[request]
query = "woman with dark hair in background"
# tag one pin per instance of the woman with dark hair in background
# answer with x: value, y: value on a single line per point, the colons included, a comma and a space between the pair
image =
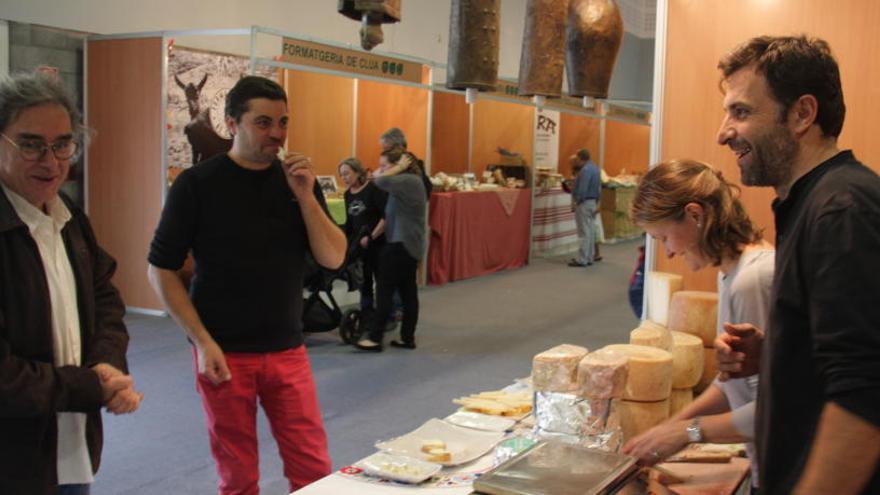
x: 401, y: 177
x: 364, y: 224
x: 694, y: 213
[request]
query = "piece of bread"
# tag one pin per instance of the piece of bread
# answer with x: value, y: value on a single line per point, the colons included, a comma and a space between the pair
x: 439, y: 455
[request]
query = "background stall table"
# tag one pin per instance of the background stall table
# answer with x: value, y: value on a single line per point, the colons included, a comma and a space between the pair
x: 554, y: 231
x: 475, y: 233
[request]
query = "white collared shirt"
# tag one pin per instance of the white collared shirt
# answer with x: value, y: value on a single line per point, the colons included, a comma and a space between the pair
x: 74, y: 464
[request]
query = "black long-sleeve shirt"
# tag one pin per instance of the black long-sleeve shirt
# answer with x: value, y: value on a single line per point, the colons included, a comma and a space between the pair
x: 824, y: 338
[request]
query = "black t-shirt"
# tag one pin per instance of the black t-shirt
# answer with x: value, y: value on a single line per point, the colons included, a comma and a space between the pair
x: 249, y: 241
x: 363, y: 210
x: 823, y: 344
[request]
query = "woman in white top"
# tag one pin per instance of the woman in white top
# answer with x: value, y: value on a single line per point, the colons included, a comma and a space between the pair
x: 689, y: 208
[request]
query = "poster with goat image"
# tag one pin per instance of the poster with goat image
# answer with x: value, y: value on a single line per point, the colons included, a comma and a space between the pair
x: 197, y: 85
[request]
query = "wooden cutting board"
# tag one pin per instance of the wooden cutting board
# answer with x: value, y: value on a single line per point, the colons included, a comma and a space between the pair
x: 708, y: 479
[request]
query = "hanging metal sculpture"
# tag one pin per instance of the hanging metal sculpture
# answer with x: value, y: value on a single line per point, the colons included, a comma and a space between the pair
x: 372, y: 14
x: 473, y: 44
x: 594, y: 33
x: 542, y: 60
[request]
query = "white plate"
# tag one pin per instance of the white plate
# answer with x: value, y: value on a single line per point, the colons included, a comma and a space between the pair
x: 464, y: 444
x: 479, y: 421
x: 398, y: 468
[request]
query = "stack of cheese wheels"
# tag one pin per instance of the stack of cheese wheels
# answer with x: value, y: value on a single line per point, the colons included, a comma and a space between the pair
x: 555, y: 370
x: 696, y: 313
x: 651, y: 334
x: 661, y: 286
x: 687, y: 369
x: 645, y: 400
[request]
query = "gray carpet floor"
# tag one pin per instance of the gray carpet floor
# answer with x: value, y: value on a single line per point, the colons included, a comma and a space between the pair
x: 473, y: 335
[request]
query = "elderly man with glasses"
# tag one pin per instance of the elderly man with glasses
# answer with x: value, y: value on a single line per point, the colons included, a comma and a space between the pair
x: 62, y: 338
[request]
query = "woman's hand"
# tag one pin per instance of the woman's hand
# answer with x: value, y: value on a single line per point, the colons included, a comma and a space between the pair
x: 365, y: 241
x: 658, y: 443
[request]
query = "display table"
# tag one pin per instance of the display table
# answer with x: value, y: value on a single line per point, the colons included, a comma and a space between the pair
x: 554, y: 231
x: 475, y: 233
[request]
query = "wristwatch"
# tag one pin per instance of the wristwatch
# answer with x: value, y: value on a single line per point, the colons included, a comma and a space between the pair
x: 694, y: 432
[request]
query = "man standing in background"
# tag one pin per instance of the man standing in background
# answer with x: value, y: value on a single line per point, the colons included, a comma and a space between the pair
x: 62, y: 338
x: 585, y: 195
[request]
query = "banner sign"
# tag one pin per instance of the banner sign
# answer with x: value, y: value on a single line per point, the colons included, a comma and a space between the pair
x: 301, y: 52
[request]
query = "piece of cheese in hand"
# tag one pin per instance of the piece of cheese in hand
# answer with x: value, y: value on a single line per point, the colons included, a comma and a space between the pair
x: 710, y: 369
x: 555, y: 370
x: 648, y: 372
x: 680, y: 398
x: 431, y: 444
x: 602, y: 375
x: 695, y: 312
x: 652, y: 335
x: 661, y: 286
x: 638, y: 417
x: 687, y: 360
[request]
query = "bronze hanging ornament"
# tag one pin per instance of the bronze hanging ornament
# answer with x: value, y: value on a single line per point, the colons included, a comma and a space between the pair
x: 372, y: 14
x: 594, y: 33
x: 473, y: 44
x: 542, y: 60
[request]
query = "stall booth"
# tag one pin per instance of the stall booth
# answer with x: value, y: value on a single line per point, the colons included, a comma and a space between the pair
x: 341, y: 100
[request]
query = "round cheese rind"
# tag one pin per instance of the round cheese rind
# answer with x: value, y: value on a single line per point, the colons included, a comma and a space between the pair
x: 680, y: 398
x: 638, y: 417
x: 661, y: 286
x: 687, y: 360
x: 696, y: 313
x: 652, y: 335
x: 710, y: 369
x: 649, y: 372
x: 602, y: 375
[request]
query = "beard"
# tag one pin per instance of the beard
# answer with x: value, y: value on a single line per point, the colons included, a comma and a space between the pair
x: 772, y: 159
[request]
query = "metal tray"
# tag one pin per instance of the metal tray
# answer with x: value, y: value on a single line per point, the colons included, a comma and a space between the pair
x: 555, y: 468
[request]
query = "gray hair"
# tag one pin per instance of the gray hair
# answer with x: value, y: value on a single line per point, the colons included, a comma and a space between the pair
x: 22, y: 91
x: 394, y: 137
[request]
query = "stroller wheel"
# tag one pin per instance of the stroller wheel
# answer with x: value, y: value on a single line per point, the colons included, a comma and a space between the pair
x: 350, y: 326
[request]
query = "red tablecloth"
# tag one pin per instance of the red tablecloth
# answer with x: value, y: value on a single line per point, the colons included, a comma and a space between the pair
x: 472, y: 234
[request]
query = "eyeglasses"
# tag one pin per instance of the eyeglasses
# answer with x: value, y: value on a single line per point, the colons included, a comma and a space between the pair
x: 34, y: 150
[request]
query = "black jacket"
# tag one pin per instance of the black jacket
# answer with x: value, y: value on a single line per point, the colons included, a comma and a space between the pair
x: 32, y: 388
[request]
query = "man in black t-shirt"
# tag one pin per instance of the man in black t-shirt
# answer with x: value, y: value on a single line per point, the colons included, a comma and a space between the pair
x: 818, y: 418
x: 249, y: 219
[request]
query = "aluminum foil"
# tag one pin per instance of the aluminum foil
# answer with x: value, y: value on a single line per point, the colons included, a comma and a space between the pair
x: 575, y: 420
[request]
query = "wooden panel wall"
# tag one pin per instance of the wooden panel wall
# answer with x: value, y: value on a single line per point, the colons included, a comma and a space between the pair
x: 576, y: 132
x: 382, y: 106
x: 497, y: 123
x: 124, y: 85
x: 627, y: 146
x: 321, y: 117
x: 699, y: 33
x: 449, y: 135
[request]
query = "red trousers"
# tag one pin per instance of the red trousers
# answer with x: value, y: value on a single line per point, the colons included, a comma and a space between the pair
x: 283, y: 383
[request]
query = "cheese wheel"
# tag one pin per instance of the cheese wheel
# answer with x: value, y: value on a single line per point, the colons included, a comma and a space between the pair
x: 602, y: 375
x: 652, y: 335
x: 710, y: 369
x: 661, y: 286
x: 696, y: 313
x: 679, y: 398
x: 555, y: 370
x: 687, y: 360
x: 638, y: 417
x: 648, y: 372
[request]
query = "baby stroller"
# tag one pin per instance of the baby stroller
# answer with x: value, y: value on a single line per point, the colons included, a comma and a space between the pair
x: 321, y: 313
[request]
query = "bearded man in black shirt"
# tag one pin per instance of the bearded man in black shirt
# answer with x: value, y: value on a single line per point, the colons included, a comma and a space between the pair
x: 818, y: 419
